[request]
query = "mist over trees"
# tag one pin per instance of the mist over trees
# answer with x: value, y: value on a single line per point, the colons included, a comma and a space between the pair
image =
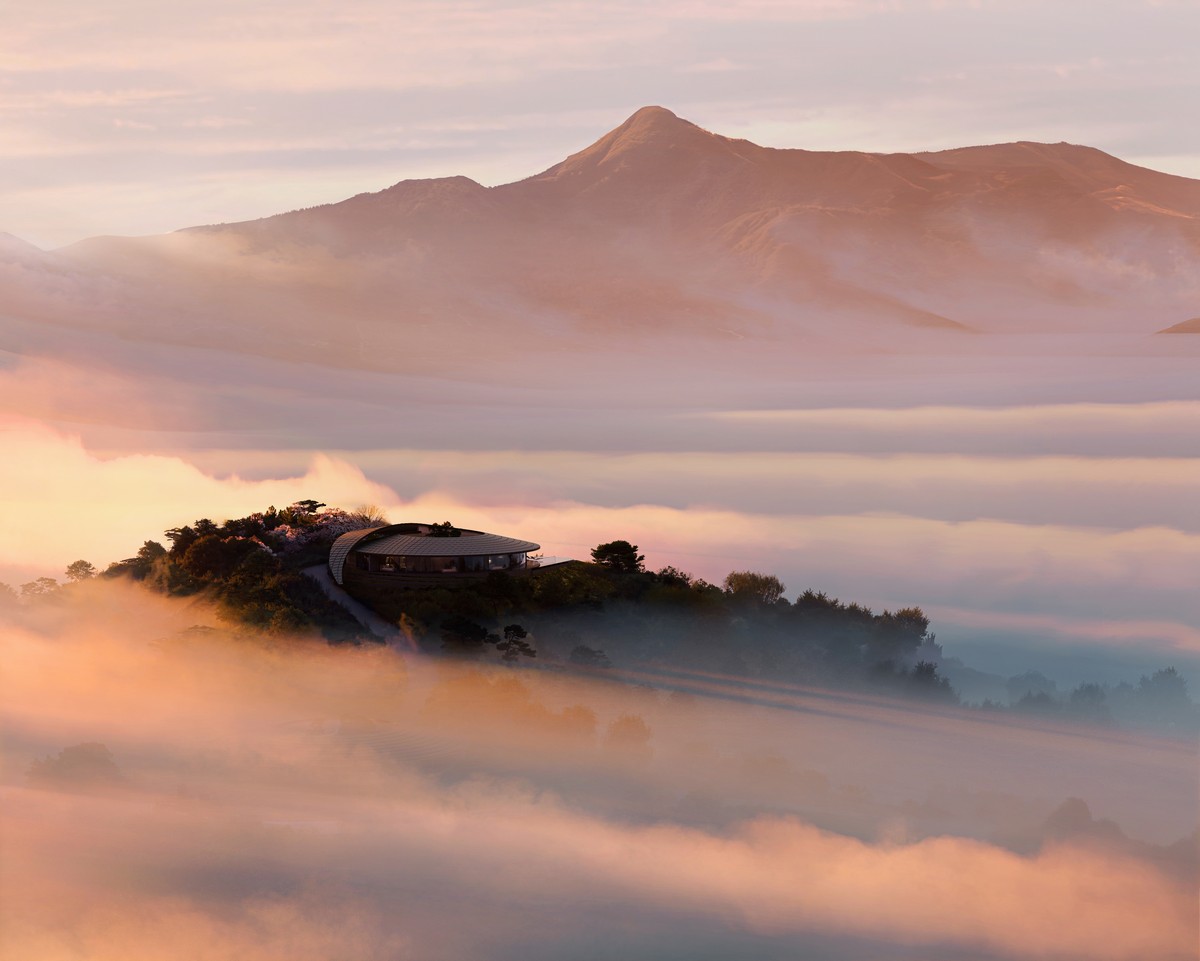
x: 80, y: 765
x: 611, y: 613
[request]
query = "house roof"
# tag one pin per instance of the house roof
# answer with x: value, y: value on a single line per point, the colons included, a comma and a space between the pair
x: 468, y: 544
x: 341, y: 549
x: 377, y: 540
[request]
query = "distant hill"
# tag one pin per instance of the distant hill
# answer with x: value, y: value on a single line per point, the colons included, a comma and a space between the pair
x: 659, y: 229
x: 1186, y: 327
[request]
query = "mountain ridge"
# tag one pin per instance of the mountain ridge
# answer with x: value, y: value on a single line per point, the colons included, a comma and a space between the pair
x: 657, y: 130
x: 661, y: 229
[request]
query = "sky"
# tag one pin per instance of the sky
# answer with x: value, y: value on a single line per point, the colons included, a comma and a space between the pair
x: 132, y: 117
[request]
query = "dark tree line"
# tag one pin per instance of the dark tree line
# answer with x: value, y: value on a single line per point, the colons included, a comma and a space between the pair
x: 251, y: 566
x: 614, y: 611
x: 596, y: 615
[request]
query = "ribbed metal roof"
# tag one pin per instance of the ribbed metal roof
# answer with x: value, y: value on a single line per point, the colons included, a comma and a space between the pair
x: 470, y: 544
x: 341, y: 549
x: 376, y: 540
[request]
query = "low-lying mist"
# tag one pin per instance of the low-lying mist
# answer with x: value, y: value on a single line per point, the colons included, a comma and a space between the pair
x: 1075, y: 566
x: 173, y: 790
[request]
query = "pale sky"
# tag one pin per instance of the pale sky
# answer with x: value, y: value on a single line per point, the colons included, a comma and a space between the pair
x: 135, y: 116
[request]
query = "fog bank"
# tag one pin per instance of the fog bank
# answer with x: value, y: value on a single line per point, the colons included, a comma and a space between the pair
x: 276, y: 799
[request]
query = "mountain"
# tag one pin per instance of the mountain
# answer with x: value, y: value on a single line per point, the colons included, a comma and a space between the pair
x: 660, y: 231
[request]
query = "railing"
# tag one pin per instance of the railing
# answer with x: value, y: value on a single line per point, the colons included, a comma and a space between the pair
x: 541, y: 562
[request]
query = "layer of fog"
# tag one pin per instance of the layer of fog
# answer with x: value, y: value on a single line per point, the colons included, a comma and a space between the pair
x: 252, y: 800
x: 1032, y: 492
x: 1059, y: 538
x: 563, y: 395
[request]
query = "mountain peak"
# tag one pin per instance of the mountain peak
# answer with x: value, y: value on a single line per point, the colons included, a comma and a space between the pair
x: 653, y: 114
x: 653, y: 123
x: 652, y: 137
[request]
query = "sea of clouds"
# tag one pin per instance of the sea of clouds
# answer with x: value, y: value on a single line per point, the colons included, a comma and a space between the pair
x: 260, y: 800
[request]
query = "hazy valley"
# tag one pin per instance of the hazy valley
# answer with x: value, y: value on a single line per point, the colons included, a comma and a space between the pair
x: 964, y: 380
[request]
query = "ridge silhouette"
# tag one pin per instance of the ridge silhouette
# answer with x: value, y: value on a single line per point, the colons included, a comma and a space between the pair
x: 662, y: 228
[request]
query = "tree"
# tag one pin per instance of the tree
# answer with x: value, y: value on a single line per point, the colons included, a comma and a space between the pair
x: 150, y: 551
x: 182, y: 538
x: 515, y: 644
x: 141, y: 564
x: 211, y: 557
x: 462, y: 636
x: 80, y: 571
x: 674, y: 577
x: 1039, y: 703
x: 1031, y: 682
x: 586, y: 656
x: 42, y: 587
x: 925, y: 681
x: 1166, y: 684
x: 1088, y: 703
x: 369, y: 515
x: 79, y: 765
x: 750, y: 585
x: 444, y: 529
x: 628, y: 734
x: 619, y: 556
x: 1162, y: 698
x: 897, y: 636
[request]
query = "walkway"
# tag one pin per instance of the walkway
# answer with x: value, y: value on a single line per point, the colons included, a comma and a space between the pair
x: 391, y: 634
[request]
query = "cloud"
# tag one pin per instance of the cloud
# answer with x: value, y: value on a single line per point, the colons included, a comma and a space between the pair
x: 1065, y: 491
x: 292, y: 799
x: 1118, y: 576
x: 61, y: 500
x: 1164, y: 419
x: 1173, y: 635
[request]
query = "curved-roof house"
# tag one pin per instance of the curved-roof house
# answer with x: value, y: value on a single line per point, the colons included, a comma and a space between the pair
x: 423, y: 555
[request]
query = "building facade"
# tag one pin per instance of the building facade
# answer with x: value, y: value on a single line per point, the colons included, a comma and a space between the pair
x: 400, y: 556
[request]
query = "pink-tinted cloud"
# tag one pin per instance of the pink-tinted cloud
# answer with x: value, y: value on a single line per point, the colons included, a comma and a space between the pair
x: 61, y: 500
x: 299, y: 800
x: 1131, y: 580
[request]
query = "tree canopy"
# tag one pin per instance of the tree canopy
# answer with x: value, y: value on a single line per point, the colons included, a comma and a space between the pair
x: 764, y: 588
x: 80, y: 570
x: 619, y: 556
x: 612, y: 613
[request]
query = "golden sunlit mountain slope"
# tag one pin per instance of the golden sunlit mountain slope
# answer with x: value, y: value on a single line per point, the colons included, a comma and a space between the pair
x: 659, y: 229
